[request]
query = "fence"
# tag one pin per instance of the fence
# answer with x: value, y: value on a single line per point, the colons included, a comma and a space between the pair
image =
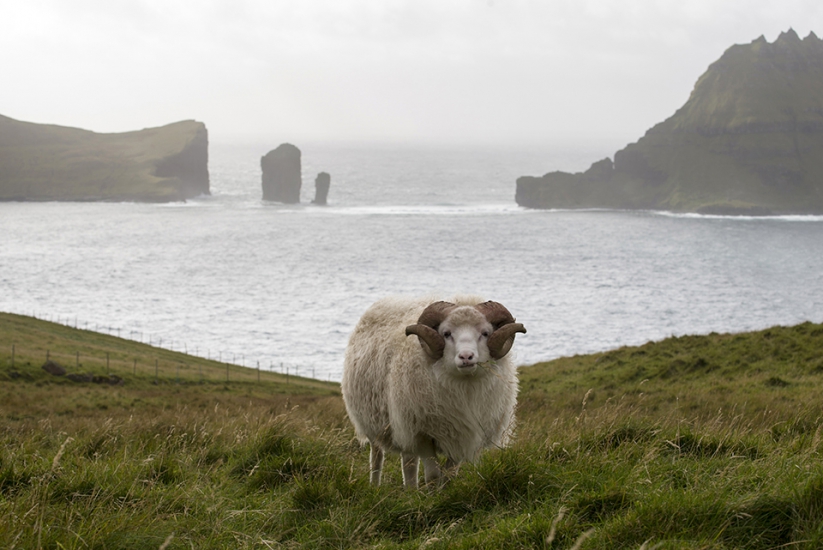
x: 228, y: 359
x: 180, y: 369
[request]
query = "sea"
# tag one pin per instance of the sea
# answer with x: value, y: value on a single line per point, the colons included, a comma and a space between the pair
x: 231, y: 277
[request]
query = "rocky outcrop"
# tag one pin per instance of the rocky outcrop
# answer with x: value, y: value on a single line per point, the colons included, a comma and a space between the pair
x: 43, y: 162
x: 282, y: 174
x: 321, y: 188
x: 110, y: 379
x: 54, y: 368
x: 749, y: 140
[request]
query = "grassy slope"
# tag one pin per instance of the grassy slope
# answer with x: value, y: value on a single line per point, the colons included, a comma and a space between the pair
x: 49, y: 162
x: 693, y: 442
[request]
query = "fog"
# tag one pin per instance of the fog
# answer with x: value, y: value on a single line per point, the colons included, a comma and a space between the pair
x: 434, y: 71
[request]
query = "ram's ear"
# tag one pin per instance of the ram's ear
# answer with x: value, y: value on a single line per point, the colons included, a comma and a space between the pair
x: 430, y: 340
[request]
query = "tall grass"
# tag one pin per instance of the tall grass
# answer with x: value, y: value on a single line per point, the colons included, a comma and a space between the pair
x: 601, y: 459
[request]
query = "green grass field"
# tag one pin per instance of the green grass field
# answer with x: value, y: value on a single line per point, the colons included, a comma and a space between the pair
x: 693, y: 442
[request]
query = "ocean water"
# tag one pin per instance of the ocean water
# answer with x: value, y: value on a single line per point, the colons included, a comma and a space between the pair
x: 230, y: 276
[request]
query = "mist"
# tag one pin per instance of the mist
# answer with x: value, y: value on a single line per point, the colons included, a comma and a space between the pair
x: 490, y: 71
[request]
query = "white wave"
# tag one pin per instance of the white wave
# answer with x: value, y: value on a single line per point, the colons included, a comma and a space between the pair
x: 420, y: 210
x: 784, y: 217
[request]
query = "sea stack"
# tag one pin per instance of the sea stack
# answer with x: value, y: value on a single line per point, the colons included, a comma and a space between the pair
x: 321, y: 188
x: 749, y: 141
x: 46, y: 162
x: 282, y: 174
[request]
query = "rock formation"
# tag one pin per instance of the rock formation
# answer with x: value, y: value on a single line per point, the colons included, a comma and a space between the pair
x: 749, y: 140
x: 44, y: 162
x: 54, y: 368
x: 321, y: 188
x: 282, y: 176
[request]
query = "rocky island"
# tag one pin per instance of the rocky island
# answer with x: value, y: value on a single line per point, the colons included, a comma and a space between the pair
x: 45, y: 162
x: 749, y: 141
x: 282, y: 174
x: 321, y: 188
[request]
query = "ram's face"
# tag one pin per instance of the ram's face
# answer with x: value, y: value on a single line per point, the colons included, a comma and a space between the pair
x: 460, y: 338
x: 466, y: 333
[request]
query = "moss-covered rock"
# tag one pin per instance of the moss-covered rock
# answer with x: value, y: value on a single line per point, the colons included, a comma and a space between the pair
x: 44, y: 162
x: 749, y: 140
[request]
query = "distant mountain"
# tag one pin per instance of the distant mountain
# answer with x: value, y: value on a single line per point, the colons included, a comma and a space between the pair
x: 44, y: 162
x: 749, y: 140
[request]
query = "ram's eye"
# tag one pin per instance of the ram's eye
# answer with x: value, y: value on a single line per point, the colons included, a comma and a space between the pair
x: 485, y: 334
x: 447, y: 334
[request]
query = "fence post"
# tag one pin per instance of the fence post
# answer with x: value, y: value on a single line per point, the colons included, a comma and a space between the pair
x: 287, y: 375
x: 155, y: 370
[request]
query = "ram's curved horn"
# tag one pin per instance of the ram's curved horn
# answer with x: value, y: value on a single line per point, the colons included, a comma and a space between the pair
x: 431, y: 341
x: 501, y: 340
x: 495, y: 313
x: 426, y: 328
x: 435, y: 313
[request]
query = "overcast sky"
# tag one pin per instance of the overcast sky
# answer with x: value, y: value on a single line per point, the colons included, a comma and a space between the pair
x: 456, y: 71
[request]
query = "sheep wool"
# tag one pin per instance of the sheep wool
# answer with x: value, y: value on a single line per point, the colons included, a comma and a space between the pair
x: 451, y: 390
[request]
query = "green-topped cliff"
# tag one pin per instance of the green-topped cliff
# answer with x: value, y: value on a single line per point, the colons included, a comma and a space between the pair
x: 749, y: 140
x: 40, y: 162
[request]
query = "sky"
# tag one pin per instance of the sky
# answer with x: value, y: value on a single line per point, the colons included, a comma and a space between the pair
x: 490, y: 72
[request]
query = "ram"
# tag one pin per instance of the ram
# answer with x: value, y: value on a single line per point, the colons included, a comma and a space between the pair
x: 425, y: 378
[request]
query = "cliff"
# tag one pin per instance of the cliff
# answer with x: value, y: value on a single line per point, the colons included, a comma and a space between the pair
x: 749, y: 140
x: 43, y: 162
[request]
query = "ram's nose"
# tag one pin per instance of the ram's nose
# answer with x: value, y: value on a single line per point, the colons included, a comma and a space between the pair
x: 467, y: 358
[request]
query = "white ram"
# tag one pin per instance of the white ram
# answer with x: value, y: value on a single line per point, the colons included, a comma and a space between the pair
x: 451, y: 390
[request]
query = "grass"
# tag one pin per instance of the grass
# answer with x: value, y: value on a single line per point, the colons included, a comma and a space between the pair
x: 694, y: 442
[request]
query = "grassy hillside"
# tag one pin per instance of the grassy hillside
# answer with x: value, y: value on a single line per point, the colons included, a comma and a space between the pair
x: 692, y: 442
x: 49, y: 162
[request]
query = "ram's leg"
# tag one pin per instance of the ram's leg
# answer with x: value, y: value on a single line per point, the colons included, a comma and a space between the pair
x: 433, y: 474
x: 410, y: 462
x: 376, y: 463
x: 428, y: 452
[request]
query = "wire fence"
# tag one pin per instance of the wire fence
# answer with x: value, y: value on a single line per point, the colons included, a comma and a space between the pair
x: 182, y: 364
x: 109, y: 367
